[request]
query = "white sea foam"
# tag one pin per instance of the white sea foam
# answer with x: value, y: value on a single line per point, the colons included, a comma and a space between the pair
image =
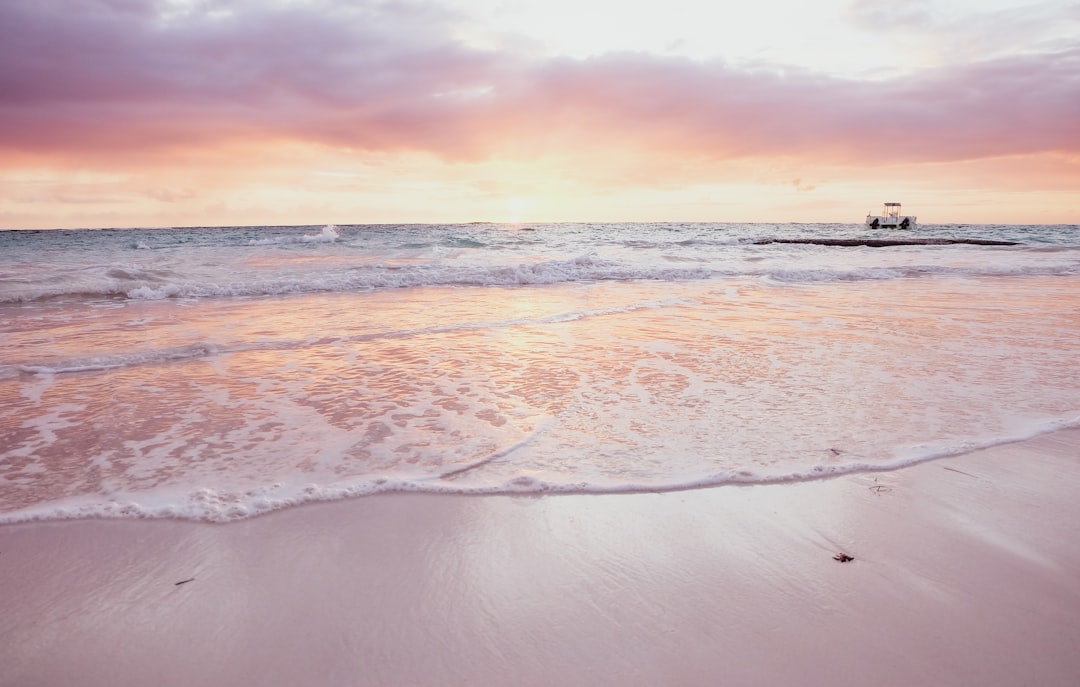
x: 213, y: 505
x: 329, y: 234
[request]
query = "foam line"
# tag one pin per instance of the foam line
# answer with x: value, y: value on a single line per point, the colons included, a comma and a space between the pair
x: 112, y: 362
x: 207, y: 505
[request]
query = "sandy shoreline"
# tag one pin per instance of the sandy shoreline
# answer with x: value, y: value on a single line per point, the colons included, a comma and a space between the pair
x: 966, y: 572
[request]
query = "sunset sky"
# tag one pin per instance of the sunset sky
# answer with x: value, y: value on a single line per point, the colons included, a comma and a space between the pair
x: 119, y: 113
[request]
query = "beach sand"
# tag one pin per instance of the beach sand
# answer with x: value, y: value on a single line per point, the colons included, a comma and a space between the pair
x: 966, y: 571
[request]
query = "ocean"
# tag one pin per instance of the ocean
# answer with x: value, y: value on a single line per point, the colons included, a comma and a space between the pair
x: 217, y: 373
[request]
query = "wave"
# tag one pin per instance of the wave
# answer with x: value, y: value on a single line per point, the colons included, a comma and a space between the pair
x: 210, y: 505
x: 329, y: 234
x: 366, y: 274
x: 357, y: 278
x: 111, y: 362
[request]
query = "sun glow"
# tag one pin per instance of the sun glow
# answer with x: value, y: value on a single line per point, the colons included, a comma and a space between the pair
x: 519, y: 209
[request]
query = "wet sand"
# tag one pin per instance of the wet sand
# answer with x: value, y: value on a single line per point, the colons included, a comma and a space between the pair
x: 965, y: 571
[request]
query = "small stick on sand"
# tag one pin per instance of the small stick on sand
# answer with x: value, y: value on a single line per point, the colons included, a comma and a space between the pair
x: 960, y: 471
x: 190, y: 579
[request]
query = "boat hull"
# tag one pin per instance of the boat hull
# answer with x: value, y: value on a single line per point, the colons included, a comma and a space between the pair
x: 903, y: 222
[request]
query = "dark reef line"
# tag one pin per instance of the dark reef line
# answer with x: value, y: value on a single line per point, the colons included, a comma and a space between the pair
x: 881, y: 243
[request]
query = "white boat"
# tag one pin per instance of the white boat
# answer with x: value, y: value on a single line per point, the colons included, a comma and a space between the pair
x: 890, y: 219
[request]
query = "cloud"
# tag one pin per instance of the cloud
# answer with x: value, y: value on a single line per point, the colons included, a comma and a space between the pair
x: 97, y: 79
x: 940, y: 35
x: 170, y: 195
x: 883, y: 15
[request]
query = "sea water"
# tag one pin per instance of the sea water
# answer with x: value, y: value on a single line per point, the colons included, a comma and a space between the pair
x: 221, y: 372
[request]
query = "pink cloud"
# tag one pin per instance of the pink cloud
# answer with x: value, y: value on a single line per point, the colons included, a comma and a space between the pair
x: 111, y: 77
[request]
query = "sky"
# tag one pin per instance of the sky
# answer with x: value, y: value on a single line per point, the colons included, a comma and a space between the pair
x: 123, y: 113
